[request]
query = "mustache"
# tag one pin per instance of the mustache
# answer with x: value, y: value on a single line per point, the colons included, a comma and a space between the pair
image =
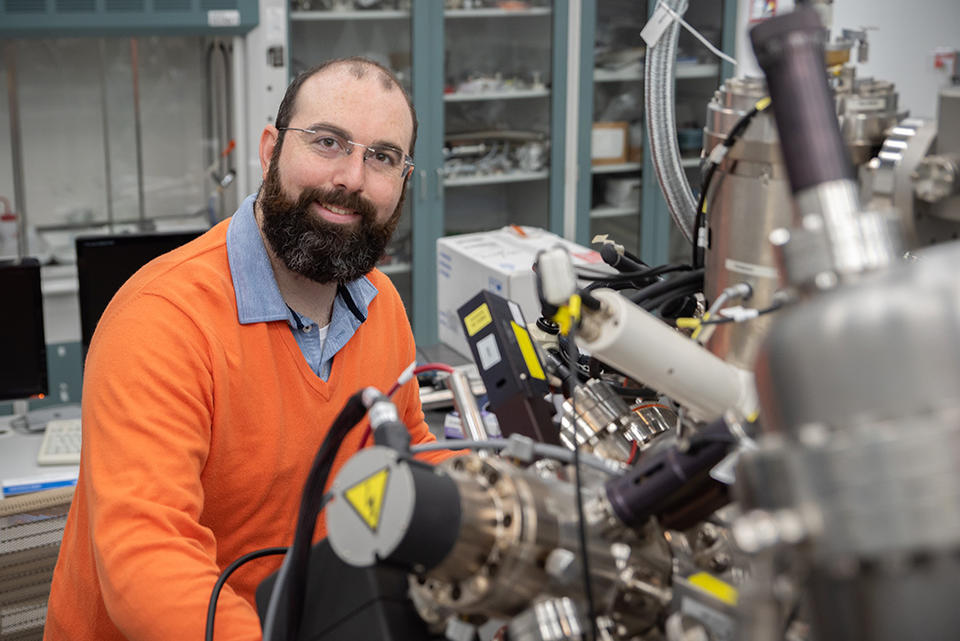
x: 338, y: 198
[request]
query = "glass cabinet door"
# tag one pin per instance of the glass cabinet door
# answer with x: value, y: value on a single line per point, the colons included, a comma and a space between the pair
x: 497, y: 104
x: 375, y: 29
x: 618, y: 129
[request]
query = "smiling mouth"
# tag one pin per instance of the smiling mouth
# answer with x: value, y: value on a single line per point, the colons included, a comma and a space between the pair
x: 336, y: 214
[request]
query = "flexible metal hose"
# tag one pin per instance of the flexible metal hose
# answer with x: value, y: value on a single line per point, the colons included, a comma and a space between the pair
x: 662, y: 125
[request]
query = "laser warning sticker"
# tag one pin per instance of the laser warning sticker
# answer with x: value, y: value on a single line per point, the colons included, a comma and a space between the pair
x: 366, y: 497
x: 477, y: 319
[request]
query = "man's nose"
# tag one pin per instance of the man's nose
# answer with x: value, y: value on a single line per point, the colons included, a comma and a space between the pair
x: 349, y: 173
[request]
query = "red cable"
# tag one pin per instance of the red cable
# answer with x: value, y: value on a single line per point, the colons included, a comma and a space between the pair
x: 420, y: 369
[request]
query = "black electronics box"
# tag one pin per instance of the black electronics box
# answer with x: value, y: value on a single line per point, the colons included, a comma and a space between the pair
x: 346, y: 603
x: 509, y: 366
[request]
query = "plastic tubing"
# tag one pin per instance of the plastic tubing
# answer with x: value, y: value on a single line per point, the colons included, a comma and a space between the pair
x: 662, y: 125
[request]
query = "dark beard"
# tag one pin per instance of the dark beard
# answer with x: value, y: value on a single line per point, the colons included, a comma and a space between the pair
x: 322, y: 251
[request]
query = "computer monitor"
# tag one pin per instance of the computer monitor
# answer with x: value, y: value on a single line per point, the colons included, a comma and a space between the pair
x: 105, y: 262
x: 23, y: 349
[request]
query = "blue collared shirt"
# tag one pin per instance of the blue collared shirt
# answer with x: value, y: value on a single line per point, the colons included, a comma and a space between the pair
x: 259, y: 299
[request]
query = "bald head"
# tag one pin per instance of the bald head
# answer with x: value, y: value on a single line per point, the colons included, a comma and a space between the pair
x: 358, y: 68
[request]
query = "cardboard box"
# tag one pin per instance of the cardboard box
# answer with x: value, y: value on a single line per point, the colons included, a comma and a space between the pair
x: 500, y: 261
x: 608, y: 143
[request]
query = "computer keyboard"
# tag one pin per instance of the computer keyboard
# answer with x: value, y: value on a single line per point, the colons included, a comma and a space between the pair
x: 61, y: 443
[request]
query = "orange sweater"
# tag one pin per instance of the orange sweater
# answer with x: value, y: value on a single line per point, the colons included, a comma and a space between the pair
x: 198, y: 436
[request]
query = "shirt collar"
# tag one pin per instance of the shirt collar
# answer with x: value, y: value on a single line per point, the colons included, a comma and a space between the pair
x: 258, y: 296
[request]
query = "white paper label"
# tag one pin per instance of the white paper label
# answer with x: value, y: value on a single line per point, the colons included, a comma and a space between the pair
x: 223, y: 18
x: 750, y: 269
x: 517, y: 314
x: 866, y: 104
x: 658, y: 23
x: 488, y: 351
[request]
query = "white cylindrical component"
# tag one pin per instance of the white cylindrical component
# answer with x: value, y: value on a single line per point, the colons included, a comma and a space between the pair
x: 643, y: 347
x: 558, y: 282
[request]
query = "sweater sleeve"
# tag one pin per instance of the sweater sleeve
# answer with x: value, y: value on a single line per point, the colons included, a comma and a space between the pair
x: 147, y: 406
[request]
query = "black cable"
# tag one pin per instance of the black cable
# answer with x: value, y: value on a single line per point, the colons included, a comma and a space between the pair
x: 726, y: 319
x: 311, y: 501
x: 632, y: 256
x: 637, y: 279
x: 731, y: 138
x: 673, y: 284
x: 656, y: 304
x: 221, y: 581
x: 581, y: 527
x: 698, y: 251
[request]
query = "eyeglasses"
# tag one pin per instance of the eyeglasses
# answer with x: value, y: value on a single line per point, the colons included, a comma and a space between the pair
x: 388, y: 161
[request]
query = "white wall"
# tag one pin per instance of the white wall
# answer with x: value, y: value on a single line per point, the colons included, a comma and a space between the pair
x: 902, y: 46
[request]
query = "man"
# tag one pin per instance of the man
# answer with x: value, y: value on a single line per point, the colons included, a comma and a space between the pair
x: 218, y: 368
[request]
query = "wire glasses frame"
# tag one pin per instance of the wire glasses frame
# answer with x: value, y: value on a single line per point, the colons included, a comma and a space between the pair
x: 384, y: 160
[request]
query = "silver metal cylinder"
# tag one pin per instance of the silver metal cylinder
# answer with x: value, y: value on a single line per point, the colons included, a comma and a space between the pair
x: 598, y: 419
x: 466, y: 405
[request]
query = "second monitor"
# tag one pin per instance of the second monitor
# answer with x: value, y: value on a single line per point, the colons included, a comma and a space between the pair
x: 105, y: 262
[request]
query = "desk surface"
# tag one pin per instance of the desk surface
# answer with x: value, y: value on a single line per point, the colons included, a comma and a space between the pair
x: 18, y: 454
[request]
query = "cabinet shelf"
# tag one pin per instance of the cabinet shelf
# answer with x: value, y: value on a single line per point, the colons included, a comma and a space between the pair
x: 617, y: 168
x: 684, y: 70
x: 513, y: 177
x: 610, y: 211
x: 307, y: 16
x: 623, y: 167
x: 509, y: 94
x: 496, y: 13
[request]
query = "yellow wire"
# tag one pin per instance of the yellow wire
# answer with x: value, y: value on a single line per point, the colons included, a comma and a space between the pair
x: 696, y: 332
x: 568, y: 314
x: 763, y: 103
x: 688, y: 323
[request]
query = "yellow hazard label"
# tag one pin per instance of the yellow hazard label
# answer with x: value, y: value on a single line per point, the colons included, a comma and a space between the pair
x: 477, y: 319
x: 717, y: 588
x: 366, y: 497
x: 529, y: 353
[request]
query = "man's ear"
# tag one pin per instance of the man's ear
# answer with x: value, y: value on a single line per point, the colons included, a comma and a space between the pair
x: 268, y: 140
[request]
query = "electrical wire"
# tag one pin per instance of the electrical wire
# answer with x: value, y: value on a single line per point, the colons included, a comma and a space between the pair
x: 752, y: 313
x: 666, y: 297
x: 714, y: 160
x: 311, y: 501
x: 222, y: 580
x: 405, y: 377
x: 650, y: 291
x: 581, y: 525
x: 543, y: 450
x: 642, y: 274
x: 743, y: 315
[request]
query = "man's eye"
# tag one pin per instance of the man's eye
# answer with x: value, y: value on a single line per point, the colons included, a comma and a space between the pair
x: 389, y: 158
x: 328, y: 143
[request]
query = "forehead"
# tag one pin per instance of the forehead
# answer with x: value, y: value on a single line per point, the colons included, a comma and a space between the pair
x: 363, y: 107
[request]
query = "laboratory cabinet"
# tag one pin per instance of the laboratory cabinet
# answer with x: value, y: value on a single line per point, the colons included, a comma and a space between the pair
x: 488, y: 83
x: 619, y: 174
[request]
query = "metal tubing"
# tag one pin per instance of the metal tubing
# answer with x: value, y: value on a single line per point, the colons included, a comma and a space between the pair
x: 137, y: 130
x: 466, y: 405
x: 662, y: 125
x: 16, y: 150
x: 105, y: 119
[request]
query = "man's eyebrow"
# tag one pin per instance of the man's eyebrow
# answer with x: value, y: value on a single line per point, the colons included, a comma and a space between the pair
x: 326, y: 126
